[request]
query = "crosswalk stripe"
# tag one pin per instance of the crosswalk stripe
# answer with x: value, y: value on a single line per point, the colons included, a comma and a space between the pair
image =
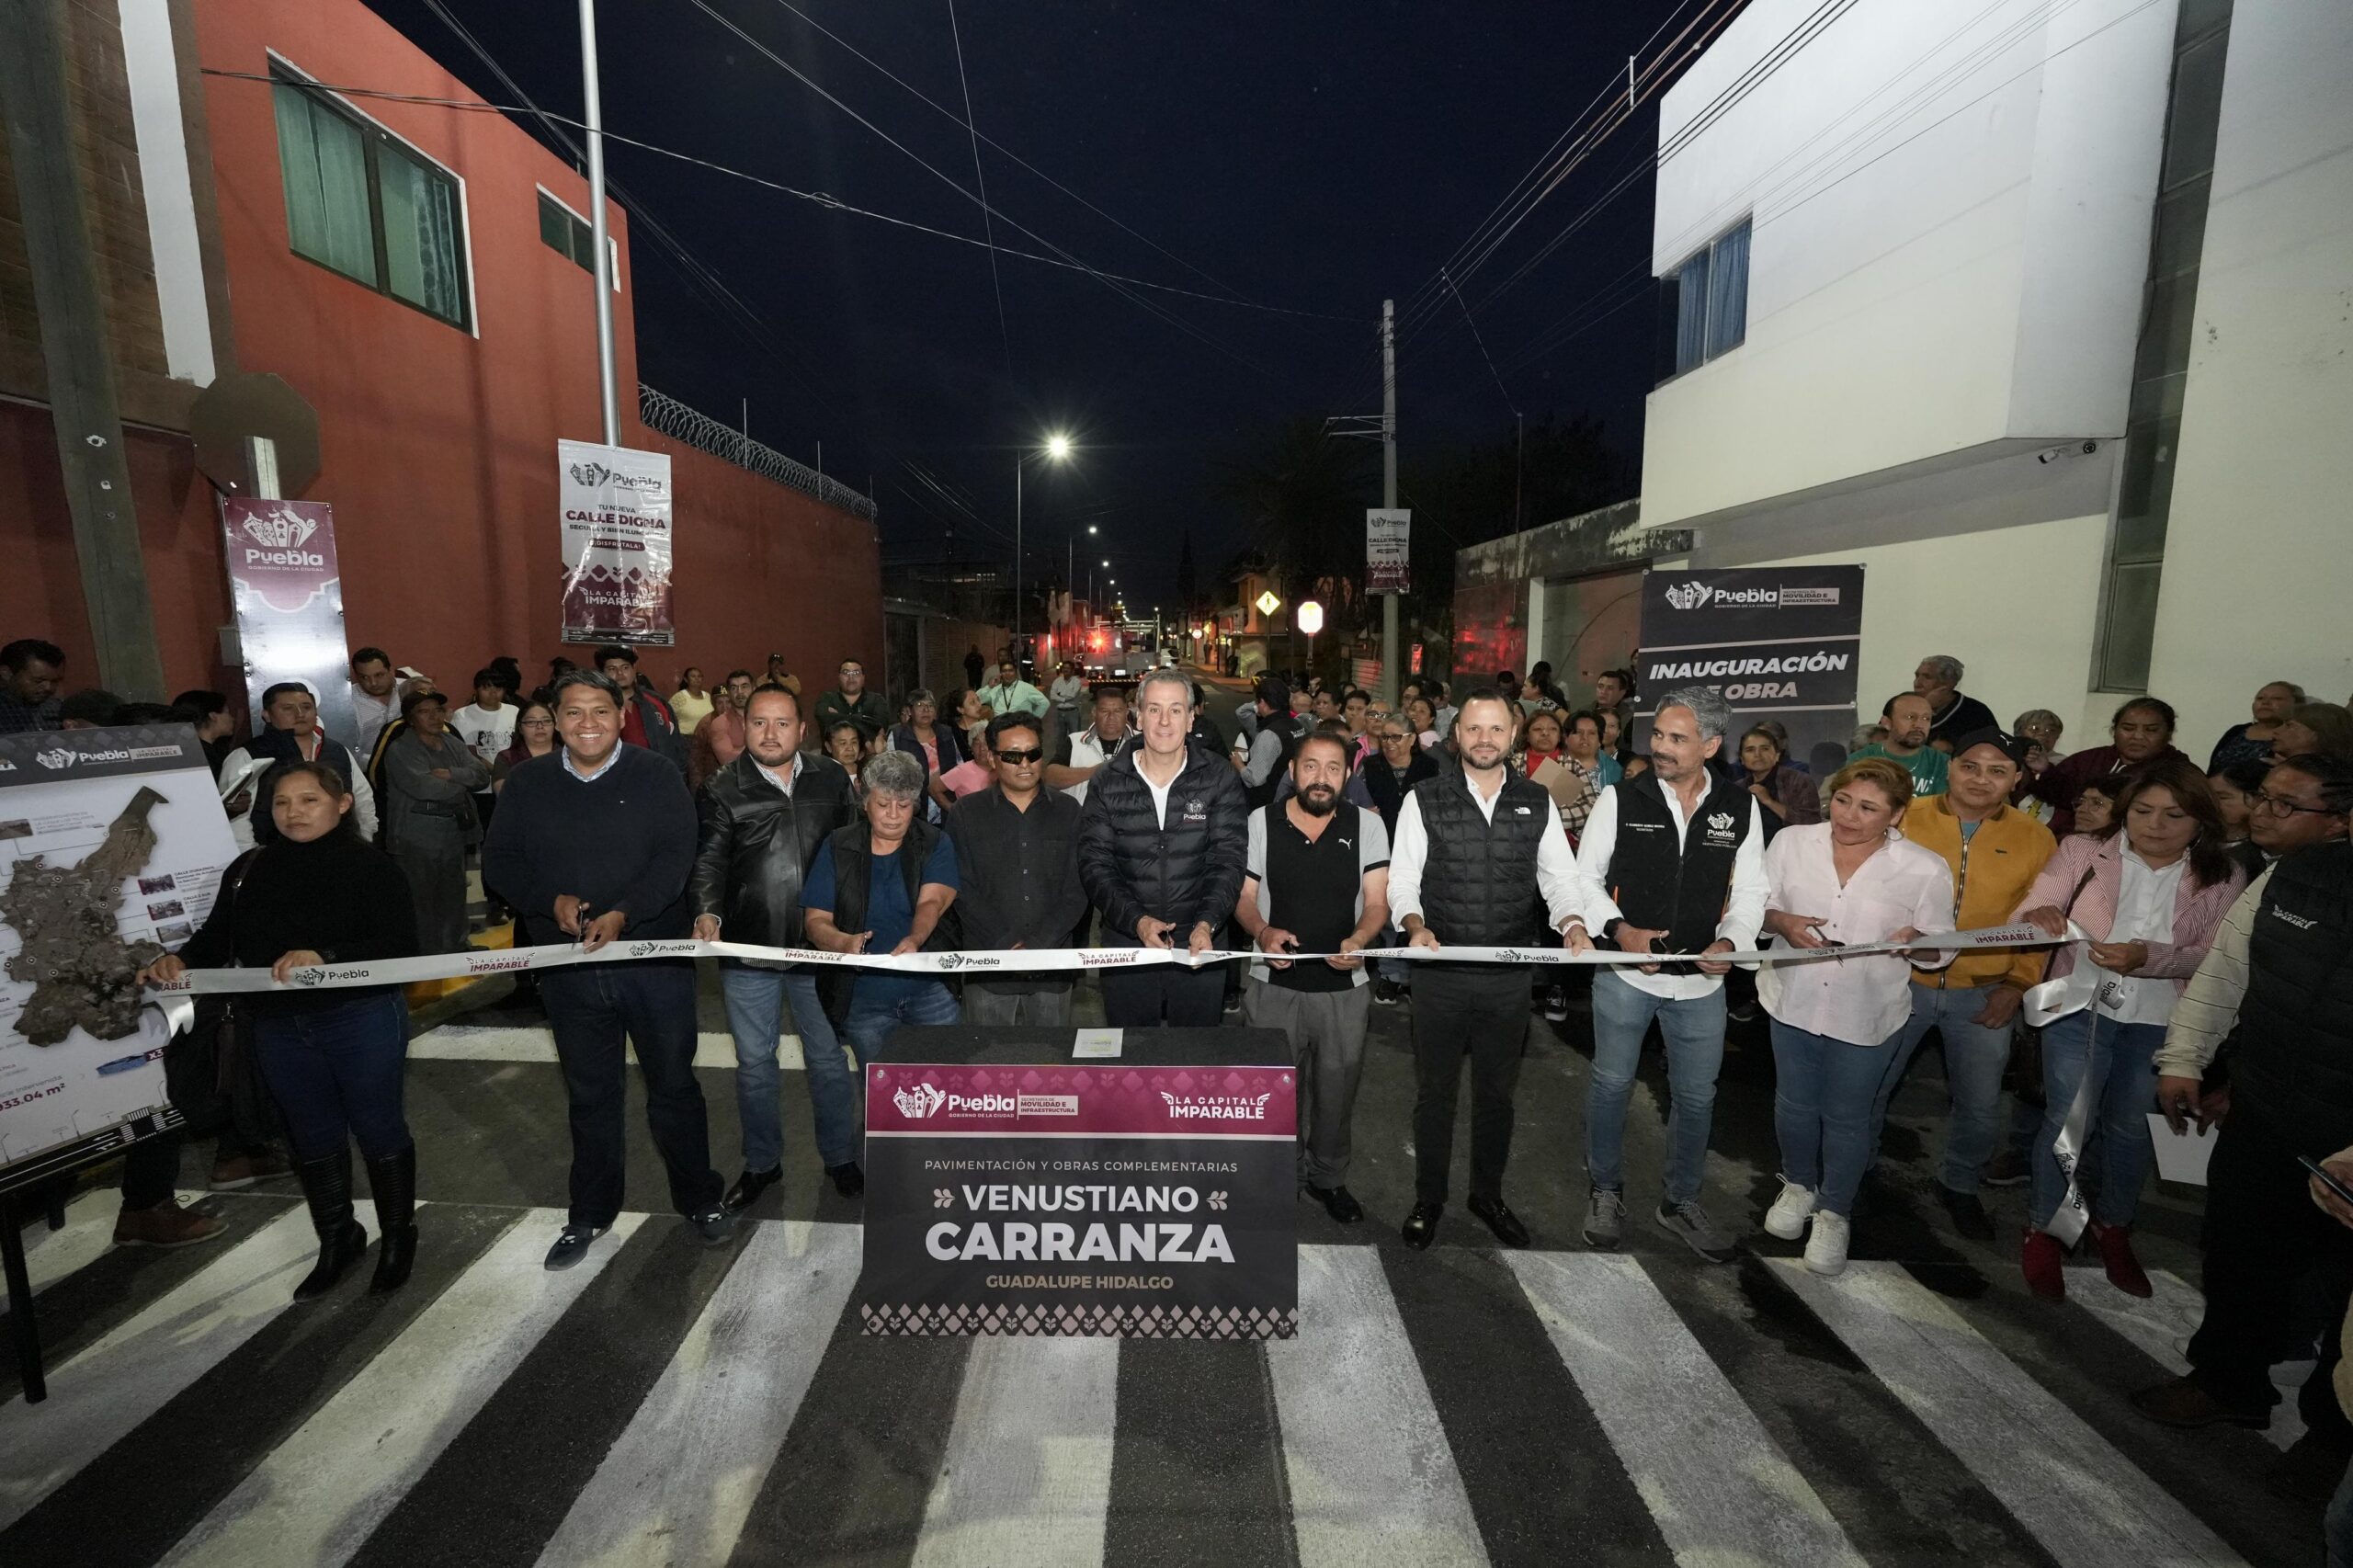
x: 1371, y: 1477
x: 2084, y: 1503
x: 2161, y: 1324
x: 471, y: 1042
x: 312, y: 1502
x: 1717, y: 1484
x: 676, y: 1485
x: 107, y: 1391
x: 1027, y: 1473
x: 50, y: 1256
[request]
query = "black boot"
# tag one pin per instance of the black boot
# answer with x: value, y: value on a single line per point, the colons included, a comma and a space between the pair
x: 393, y: 1181
x: 328, y: 1185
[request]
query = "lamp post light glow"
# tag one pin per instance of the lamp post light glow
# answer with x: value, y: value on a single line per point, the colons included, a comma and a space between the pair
x: 1309, y: 618
x: 1057, y: 449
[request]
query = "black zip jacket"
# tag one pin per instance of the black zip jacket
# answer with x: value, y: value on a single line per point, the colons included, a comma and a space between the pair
x: 1186, y: 871
x: 757, y: 844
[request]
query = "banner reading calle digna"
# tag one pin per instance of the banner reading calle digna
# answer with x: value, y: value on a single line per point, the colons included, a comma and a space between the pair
x: 1081, y: 1200
x: 616, y: 544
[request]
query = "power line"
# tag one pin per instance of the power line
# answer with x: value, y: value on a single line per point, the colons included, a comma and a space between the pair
x: 1016, y: 158
x: 988, y: 224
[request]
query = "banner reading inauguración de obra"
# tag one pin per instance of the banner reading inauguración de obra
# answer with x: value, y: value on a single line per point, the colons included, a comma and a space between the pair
x: 288, y: 594
x: 616, y: 544
x: 1149, y: 1202
x: 1780, y: 641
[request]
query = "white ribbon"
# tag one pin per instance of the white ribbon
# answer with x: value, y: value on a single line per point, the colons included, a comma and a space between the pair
x: 2085, y: 986
x: 1003, y: 962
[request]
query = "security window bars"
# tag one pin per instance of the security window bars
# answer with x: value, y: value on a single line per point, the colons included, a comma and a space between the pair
x: 360, y: 202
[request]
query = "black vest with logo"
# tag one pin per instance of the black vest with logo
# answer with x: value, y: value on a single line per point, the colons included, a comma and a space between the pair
x: 1479, y: 879
x: 1680, y: 888
x: 2295, y: 1030
x: 1258, y: 796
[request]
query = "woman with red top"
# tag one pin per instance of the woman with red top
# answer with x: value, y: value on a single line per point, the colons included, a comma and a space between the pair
x: 2150, y: 891
x: 2141, y: 731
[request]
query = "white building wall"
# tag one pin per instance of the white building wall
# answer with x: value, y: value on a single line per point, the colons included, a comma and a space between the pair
x: 1911, y: 173
x: 2259, y: 570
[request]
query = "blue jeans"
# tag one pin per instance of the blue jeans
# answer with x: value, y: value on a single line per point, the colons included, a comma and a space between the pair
x: 1694, y: 1030
x: 875, y: 1011
x: 335, y: 1075
x: 1975, y: 1057
x: 756, y: 999
x: 1824, y: 1091
x: 2121, y: 1062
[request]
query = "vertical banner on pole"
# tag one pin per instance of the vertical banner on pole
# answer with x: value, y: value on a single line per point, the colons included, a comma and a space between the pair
x: 1388, y: 554
x: 616, y: 544
x: 287, y: 594
x: 1780, y: 641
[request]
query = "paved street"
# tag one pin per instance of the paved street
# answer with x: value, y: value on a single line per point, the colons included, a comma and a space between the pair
x: 666, y: 1404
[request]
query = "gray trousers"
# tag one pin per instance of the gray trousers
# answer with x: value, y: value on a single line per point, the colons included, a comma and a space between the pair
x: 1046, y: 1008
x: 436, y: 884
x: 1326, y: 1030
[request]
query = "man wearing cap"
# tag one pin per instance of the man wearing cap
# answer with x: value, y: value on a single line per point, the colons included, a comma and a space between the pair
x: 1996, y: 851
x: 1268, y: 752
x: 646, y: 720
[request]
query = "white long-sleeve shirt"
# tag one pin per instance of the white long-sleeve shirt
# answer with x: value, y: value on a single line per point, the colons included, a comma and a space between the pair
x: 1863, y: 999
x: 1744, y: 907
x: 1409, y: 852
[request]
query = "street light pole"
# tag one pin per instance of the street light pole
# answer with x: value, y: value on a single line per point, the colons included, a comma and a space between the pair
x: 608, y: 396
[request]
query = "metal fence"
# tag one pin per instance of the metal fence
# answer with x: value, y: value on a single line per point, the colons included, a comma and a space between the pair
x: 662, y: 412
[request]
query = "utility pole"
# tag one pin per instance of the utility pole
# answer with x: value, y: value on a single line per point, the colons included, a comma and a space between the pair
x: 76, y: 348
x: 1388, y: 672
x: 607, y: 395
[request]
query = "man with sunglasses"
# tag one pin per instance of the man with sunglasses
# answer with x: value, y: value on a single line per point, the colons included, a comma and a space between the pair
x: 1016, y: 855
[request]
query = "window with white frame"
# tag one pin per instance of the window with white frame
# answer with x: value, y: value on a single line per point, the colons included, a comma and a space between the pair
x: 1706, y: 299
x: 364, y: 204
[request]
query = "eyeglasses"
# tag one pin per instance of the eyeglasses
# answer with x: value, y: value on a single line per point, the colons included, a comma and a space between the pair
x: 2264, y: 801
x: 1020, y: 758
x: 1387, y: 735
x: 538, y: 723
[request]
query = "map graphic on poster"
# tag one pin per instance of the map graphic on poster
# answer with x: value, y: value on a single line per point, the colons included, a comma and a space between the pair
x: 616, y: 544
x: 1149, y: 1202
x: 112, y: 843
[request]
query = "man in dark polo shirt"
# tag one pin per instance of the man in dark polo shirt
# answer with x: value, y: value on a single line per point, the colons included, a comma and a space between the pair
x: 1016, y: 855
x: 1316, y: 880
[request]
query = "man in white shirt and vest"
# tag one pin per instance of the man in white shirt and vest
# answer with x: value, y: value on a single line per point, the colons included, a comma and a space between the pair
x: 1672, y: 861
x: 1475, y: 848
x: 1079, y: 757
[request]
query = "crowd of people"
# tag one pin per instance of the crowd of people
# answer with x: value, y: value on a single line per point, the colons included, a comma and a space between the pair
x: 2200, y: 924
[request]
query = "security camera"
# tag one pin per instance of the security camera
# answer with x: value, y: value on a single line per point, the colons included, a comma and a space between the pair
x: 2052, y: 454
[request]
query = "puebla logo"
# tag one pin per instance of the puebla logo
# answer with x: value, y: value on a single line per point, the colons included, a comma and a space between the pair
x: 281, y: 530
x: 918, y: 1100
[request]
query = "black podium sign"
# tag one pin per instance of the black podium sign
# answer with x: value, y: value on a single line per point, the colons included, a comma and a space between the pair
x: 1036, y: 1198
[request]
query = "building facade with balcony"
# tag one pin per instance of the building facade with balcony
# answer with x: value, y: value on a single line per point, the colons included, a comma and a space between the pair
x: 2038, y: 313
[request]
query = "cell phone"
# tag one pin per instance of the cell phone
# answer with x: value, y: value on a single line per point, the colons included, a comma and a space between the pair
x: 2344, y: 1193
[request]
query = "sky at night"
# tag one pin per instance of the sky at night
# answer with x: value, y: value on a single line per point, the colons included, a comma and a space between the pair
x: 1316, y: 157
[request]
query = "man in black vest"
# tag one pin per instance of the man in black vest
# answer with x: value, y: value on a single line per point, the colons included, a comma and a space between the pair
x: 1672, y: 861
x: 1475, y: 846
x: 766, y: 817
x: 1160, y: 853
x: 2279, y: 978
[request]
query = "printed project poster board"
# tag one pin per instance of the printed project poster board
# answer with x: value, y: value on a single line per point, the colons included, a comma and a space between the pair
x: 112, y: 843
x: 1778, y: 641
x: 288, y: 597
x: 616, y: 544
x: 1146, y: 1202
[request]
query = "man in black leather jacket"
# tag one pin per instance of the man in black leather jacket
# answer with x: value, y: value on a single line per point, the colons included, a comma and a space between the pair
x: 765, y: 816
x: 1161, y: 847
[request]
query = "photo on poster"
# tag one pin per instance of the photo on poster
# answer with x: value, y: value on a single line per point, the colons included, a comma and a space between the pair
x: 105, y: 812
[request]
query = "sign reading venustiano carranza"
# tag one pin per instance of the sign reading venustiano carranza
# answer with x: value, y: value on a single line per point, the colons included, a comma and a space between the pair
x: 1154, y: 1202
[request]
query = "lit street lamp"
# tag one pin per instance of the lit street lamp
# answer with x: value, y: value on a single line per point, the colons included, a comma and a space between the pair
x: 1058, y: 449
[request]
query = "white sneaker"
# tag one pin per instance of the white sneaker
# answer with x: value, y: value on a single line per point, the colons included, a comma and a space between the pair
x: 1787, y: 1218
x: 1825, y: 1250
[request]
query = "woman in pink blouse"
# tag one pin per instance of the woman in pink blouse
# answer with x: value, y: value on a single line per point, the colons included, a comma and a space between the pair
x: 1843, y: 883
x: 2149, y: 890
